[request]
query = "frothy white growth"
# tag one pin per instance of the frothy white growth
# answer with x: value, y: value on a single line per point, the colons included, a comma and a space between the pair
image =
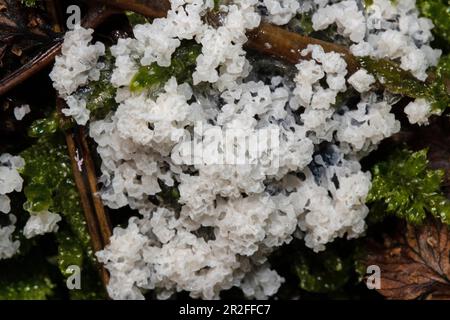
x: 347, y: 16
x: 126, y: 55
x: 168, y: 116
x: 229, y: 217
x: 78, y: 62
x: 76, y: 66
x: 419, y: 111
x: 388, y: 30
x: 10, y: 181
x: 224, y: 47
x: 326, y: 217
x: 162, y: 252
x: 41, y: 223
x: 397, y: 32
x: 364, y: 128
x: 77, y: 109
x: 261, y: 283
x: 308, y: 91
x: 361, y: 49
x: 135, y: 138
x: 8, y: 246
x: 385, y: 30
x: 413, y: 61
x: 222, y: 60
x: 361, y: 80
x: 5, y: 204
x: 391, y: 44
x: 21, y: 112
x: 127, y: 245
x: 158, y: 40
x: 281, y: 11
x: 123, y: 161
x: 317, y: 100
x: 135, y: 144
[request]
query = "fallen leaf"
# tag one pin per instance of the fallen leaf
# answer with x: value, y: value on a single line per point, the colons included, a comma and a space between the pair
x: 415, y: 262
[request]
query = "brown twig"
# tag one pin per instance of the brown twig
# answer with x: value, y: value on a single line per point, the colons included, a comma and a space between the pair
x: 82, y: 178
x: 31, y: 68
x: 95, y: 16
x: 287, y: 46
x: 148, y: 8
x: 267, y: 38
x: 103, y: 220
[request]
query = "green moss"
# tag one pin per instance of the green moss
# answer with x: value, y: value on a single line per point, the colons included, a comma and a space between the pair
x: 323, y: 272
x: 399, y: 81
x: 404, y: 186
x: 101, y: 95
x: 44, y: 127
x: 25, y: 278
x: 70, y: 252
x: 306, y: 23
x: 395, y: 79
x: 302, y: 24
x: 154, y: 76
x: 368, y: 3
x: 49, y: 184
x: 443, y: 68
x: 91, y: 287
x: 439, y: 12
x: 217, y: 5
x: 29, y: 3
x: 135, y: 19
x: 169, y: 196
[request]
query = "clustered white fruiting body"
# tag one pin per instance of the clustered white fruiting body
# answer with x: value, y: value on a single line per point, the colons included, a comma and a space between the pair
x: 234, y: 215
x: 38, y: 223
x: 10, y: 181
x: 75, y: 67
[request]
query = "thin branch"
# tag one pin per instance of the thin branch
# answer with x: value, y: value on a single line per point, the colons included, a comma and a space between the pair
x: 285, y: 45
x: 103, y: 220
x: 84, y: 190
x: 30, y: 69
x: 148, y: 8
x: 95, y: 16
x: 267, y: 39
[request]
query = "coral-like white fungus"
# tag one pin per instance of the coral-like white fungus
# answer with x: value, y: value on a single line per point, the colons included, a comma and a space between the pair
x: 397, y: 32
x: 281, y: 11
x: 419, y: 111
x: 232, y: 216
x: 348, y: 17
x: 41, y: 223
x: 76, y: 66
x: 8, y: 246
x: 361, y: 80
x: 361, y: 130
x: 21, y: 112
x: 78, y: 62
x: 77, y: 110
x: 10, y: 181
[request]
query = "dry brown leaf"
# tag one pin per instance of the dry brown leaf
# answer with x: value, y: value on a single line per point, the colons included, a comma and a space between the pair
x: 415, y: 263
